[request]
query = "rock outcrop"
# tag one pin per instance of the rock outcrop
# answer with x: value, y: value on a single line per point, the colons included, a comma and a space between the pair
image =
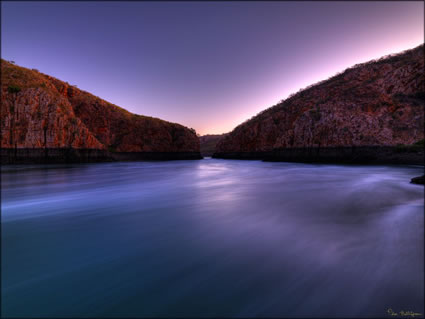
x: 39, y: 113
x: 375, y: 104
x: 418, y: 180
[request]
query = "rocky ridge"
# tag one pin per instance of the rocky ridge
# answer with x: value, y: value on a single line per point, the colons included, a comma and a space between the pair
x: 378, y: 103
x: 40, y: 112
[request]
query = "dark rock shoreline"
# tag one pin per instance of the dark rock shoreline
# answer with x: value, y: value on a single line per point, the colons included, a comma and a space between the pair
x: 418, y: 180
x: 73, y: 155
x: 339, y: 155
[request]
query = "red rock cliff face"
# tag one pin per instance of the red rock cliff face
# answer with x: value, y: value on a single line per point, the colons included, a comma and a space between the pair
x: 39, y: 111
x: 376, y: 103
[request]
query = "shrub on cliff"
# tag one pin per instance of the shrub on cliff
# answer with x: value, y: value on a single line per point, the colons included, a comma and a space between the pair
x: 420, y: 143
x: 13, y: 89
x: 415, y: 147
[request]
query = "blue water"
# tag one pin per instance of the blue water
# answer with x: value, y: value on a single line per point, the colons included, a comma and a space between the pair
x: 211, y: 238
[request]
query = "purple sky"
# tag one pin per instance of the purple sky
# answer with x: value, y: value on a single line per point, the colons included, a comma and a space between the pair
x: 207, y: 65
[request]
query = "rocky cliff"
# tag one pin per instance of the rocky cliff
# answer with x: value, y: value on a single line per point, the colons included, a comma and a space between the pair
x: 39, y: 112
x: 208, y: 143
x: 374, y: 104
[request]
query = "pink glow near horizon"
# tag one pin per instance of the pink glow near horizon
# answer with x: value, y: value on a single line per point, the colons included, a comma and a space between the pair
x: 209, y: 66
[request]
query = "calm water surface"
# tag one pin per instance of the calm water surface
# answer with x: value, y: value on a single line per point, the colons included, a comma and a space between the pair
x: 211, y: 238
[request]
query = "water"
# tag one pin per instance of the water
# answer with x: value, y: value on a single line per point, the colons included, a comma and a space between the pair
x: 211, y: 238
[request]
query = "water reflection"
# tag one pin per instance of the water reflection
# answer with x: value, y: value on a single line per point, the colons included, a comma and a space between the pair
x: 211, y: 238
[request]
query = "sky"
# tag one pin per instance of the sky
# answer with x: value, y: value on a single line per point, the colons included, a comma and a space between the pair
x: 206, y: 65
